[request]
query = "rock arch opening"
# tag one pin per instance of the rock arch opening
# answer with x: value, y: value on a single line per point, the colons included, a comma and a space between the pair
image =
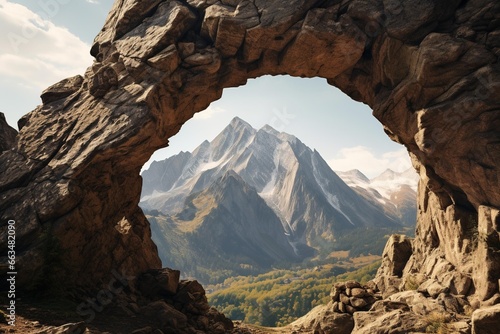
x: 431, y: 79
x: 279, y: 155
x: 202, y: 232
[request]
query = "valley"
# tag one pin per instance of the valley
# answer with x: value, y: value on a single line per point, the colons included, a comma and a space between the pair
x: 280, y: 296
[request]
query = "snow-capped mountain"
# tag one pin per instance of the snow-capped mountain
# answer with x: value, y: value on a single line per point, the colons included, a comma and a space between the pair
x: 312, y: 204
x: 396, y: 192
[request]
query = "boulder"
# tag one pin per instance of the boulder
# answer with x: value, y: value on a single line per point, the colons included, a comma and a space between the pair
x: 71, y: 328
x: 396, y: 254
x: 351, y: 296
x: 323, y: 320
x: 486, y: 320
x: 159, y: 282
x: 387, y: 317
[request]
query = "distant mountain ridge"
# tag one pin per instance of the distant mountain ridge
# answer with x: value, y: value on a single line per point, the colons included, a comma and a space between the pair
x: 395, y: 191
x: 297, y: 202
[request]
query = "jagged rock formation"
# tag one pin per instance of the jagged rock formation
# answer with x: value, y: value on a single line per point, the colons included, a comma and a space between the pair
x: 177, y: 306
x: 7, y: 134
x: 428, y: 69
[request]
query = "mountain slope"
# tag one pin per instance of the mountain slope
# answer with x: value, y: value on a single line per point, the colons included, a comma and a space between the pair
x: 395, y: 192
x: 226, y: 227
x: 294, y: 180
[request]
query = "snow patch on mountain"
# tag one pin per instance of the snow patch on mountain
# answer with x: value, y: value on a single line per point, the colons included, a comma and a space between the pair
x: 385, y: 184
x: 331, y: 198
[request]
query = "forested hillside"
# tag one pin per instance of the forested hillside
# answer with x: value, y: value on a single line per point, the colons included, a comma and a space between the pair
x: 281, y: 296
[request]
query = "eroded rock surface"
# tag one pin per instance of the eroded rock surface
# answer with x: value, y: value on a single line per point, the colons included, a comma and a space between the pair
x: 7, y: 134
x: 428, y: 69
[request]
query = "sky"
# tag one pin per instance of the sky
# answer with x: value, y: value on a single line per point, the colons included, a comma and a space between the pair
x: 44, y: 41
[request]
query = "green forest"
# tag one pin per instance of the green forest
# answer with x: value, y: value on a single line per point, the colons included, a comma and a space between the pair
x: 281, y: 296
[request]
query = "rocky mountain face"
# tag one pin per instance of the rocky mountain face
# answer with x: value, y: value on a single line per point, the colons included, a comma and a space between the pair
x: 260, y: 187
x: 396, y: 192
x: 224, y: 230
x: 428, y: 69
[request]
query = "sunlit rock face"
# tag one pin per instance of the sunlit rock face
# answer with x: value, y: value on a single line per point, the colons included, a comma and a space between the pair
x: 428, y: 69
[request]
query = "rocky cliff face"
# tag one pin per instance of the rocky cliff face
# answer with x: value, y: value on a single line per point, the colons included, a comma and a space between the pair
x: 7, y: 134
x: 428, y: 69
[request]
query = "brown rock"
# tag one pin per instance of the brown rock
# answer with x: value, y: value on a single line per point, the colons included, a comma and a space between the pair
x: 388, y: 285
x: 458, y: 282
x: 418, y: 303
x: 7, y: 134
x: 322, y: 320
x: 451, y: 304
x: 432, y: 288
x: 461, y: 327
x: 358, y: 303
x: 103, y: 81
x: 79, y: 327
x: 359, y: 292
x: 352, y: 285
x: 335, y: 293
x: 488, y: 237
x: 62, y: 89
x: 349, y: 309
x: 191, y: 296
x: 156, y: 283
x: 387, y: 317
x: 144, y: 330
x: 397, y: 252
x: 342, y: 308
x: 344, y: 299
x: 429, y: 71
x: 485, y: 321
x: 168, y: 317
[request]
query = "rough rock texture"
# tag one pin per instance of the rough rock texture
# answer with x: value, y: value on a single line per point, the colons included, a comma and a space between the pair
x: 322, y: 320
x: 65, y: 329
x: 486, y: 321
x: 358, y: 309
x: 428, y: 69
x: 395, y: 256
x: 7, y: 134
x: 387, y: 317
x: 174, y: 306
x: 349, y: 297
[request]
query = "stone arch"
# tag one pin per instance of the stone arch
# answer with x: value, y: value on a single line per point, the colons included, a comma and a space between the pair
x: 428, y: 69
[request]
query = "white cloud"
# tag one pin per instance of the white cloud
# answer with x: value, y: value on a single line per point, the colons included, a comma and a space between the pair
x: 36, y: 53
x: 209, y: 113
x: 93, y: 1
x: 360, y: 157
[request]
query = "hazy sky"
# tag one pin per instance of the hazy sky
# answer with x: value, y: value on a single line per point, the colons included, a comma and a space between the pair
x: 45, y: 41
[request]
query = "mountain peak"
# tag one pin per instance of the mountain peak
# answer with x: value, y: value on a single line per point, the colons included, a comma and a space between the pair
x: 353, y: 176
x: 237, y: 122
x: 269, y: 129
